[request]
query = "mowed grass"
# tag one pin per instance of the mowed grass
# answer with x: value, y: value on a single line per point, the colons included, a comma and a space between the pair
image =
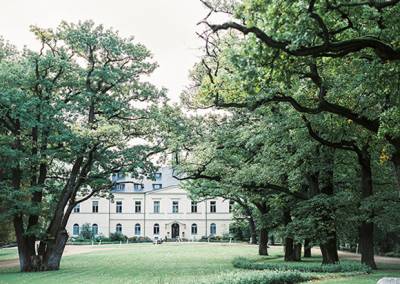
x: 166, y: 263
x: 8, y: 253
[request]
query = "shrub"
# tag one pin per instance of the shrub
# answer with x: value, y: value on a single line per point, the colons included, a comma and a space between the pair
x: 117, y: 237
x: 262, y: 277
x: 346, y: 266
x: 86, y: 232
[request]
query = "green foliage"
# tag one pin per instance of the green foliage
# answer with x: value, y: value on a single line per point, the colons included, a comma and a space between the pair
x: 345, y: 266
x: 118, y: 237
x: 86, y: 232
x: 258, y: 277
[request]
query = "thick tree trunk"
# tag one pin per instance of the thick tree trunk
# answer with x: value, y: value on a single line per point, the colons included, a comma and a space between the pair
x: 329, y: 251
x: 288, y: 249
x: 263, y: 244
x: 297, y: 252
x: 54, y: 251
x: 48, y: 255
x: 307, y: 248
x: 367, y: 244
x: 366, y: 230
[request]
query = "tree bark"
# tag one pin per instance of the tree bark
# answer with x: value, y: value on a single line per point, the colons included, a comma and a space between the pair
x: 329, y: 251
x: 253, y: 231
x: 263, y: 244
x: 307, y: 248
x: 366, y: 229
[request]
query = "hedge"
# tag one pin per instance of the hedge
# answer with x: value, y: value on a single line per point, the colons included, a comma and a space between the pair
x: 346, y: 266
x: 262, y: 277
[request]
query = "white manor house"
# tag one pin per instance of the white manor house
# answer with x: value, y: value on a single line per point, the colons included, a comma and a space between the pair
x: 154, y: 208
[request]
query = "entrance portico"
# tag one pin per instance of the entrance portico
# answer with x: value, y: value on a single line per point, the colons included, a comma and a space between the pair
x: 175, y: 229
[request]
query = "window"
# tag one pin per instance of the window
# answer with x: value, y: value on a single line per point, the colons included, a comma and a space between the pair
x: 119, y: 187
x: 95, y: 229
x: 77, y: 208
x: 118, y: 228
x: 138, y: 206
x: 120, y: 175
x: 156, y: 206
x: 95, y: 206
x: 231, y: 204
x: 157, y: 176
x: 157, y: 186
x: 213, y: 229
x: 156, y: 229
x: 138, y: 187
x: 194, y: 229
x: 194, y: 207
x: 213, y: 206
x: 75, y: 229
x: 137, y: 230
x: 118, y: 207
x: 175, y: 206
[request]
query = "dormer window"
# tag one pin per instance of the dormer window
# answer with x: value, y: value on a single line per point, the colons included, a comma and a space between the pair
x: 119, y: 187
x: 138, y: 186
x: 157, y: 176
x: 157, y: 186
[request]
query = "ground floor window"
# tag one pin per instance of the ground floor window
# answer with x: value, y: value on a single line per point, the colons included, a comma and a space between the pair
x: 213, y: 229
x: 118, y: 228
x: 95, y: 229
x: 194, y: 229
x: 137, y: 229
x: 75, y: 230
x: 156, y: 229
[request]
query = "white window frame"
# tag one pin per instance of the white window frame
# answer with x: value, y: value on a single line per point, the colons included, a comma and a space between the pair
x: 118, y: 204
x: 95, y: 206
x: 156, y: 207
x: 175, y: 206
x: 213, y: 206
x: 156, y: 229
x: 138, y: 206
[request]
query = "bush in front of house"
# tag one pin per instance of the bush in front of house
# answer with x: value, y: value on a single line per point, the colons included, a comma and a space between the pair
x: 118, y: 237
x: 345, y: 266
x: 262, y: 277
x: 136, y: 239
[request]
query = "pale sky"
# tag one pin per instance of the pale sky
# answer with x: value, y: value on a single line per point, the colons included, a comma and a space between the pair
x: 166, y: 27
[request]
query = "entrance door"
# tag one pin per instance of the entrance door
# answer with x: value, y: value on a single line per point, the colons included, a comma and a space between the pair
x: 175, y: 230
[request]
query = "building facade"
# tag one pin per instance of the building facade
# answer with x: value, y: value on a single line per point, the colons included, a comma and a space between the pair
x: 154, y: 208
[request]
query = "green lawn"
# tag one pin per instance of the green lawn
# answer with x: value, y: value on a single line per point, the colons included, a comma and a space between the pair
x: 146, y: 263
x: 8, y: 253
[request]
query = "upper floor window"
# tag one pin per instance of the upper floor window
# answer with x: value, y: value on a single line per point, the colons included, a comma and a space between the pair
x: 156, y: 206
x: 77, y: 208
x: 157, y: 176
x: 156, y: 229
x: 231, y: 204
x: 194, y: 207
x: 118, y: 207
x: 157, y: 185
x: 120, y: 175
x: 213, y: 206
x: 137, y: 230
x: 138, y: 206
x: 175, y: 206
x: 95, y: 206
x: 118, y: 228
x: 138, y: 186
x: 119, y: 187
x: 75, y: 229
x: 95, y: 229
x: 194, y: 229
x: 213, y: 229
